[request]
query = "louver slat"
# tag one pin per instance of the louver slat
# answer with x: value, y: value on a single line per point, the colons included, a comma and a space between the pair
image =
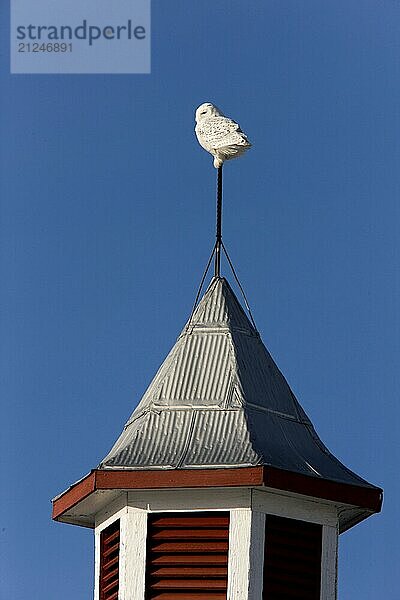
x: 190, y: 571
x: 206, y: 546
x: 292, y: 565
x: 187, y: 556
x: 109, y: 562
x: 200, y: 559
x: 189, y: 596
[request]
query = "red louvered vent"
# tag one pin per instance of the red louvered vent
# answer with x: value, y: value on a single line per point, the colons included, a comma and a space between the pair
x: 292, y: 564
x: 187, y: 556
x: 109, y: 562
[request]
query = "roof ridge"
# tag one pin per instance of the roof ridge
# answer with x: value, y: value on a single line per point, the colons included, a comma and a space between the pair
x: 219, y: 305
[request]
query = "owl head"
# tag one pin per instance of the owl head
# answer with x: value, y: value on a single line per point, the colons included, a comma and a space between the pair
x: 207, y: 110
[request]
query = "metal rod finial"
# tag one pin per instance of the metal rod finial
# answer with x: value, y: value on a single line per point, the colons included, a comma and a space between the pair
x: 218, y: 235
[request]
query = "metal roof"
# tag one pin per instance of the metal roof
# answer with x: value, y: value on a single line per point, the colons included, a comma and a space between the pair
x: 219, y: 400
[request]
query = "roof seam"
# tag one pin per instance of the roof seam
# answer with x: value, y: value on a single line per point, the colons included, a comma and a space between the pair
x: 188, y: 440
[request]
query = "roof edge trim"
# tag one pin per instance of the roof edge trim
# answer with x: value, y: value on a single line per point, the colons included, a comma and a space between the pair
x: 369, y: 499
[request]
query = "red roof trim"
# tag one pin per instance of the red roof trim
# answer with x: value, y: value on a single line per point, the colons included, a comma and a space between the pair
x: 185, y: 478
x: 364, y: 497
x: 77, y: 492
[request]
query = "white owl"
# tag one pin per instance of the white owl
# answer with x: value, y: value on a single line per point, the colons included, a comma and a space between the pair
x: 219, y: 135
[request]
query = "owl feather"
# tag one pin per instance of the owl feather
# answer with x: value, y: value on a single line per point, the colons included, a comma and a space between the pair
x: 219, y: 135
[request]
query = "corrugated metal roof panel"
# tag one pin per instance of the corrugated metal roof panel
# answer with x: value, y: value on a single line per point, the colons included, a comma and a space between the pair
x: 261, y: 381
x: 220, y: 400
x: 220, y: 363
x: 186, y: 438
x: 200, y: 371
x: 219, y: 306
x: 156, y: 439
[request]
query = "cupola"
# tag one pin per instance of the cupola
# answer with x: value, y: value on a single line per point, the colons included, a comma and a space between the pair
x: 218, y: 487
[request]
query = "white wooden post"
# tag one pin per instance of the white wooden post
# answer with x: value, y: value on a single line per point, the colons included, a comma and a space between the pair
x: 329, y: 562
x: 257, y: 543
x: 246, y: 554
x: 96, y: 593
x: 133, y: 555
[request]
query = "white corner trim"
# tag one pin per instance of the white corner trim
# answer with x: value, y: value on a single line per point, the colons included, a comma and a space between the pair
x: 96, y: 592
x: 257, y: 544
x: 133, y: 555
x: 246, y: 555
x: 294, y: 507
x: 239, y: 554
x: 329, y: 562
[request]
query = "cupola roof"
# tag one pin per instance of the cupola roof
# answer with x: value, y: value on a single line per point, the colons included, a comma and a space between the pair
x: 219, y: 400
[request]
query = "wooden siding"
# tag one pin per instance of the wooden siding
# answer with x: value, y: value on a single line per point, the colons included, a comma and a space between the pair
x: 187, y: 556
x: 292, y: 564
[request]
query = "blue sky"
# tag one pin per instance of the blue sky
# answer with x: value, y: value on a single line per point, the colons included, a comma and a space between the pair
x: 107, y: 220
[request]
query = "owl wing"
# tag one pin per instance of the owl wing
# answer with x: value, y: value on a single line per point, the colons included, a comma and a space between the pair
x: 218, y: 132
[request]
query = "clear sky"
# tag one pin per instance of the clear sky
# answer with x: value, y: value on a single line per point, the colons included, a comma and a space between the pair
x: 107, y: 220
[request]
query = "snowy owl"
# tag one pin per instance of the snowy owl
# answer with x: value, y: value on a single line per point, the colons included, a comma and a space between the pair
x: 219, y: 135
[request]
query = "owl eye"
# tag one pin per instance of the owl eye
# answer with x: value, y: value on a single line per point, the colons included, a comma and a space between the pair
x: 204, y: 112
